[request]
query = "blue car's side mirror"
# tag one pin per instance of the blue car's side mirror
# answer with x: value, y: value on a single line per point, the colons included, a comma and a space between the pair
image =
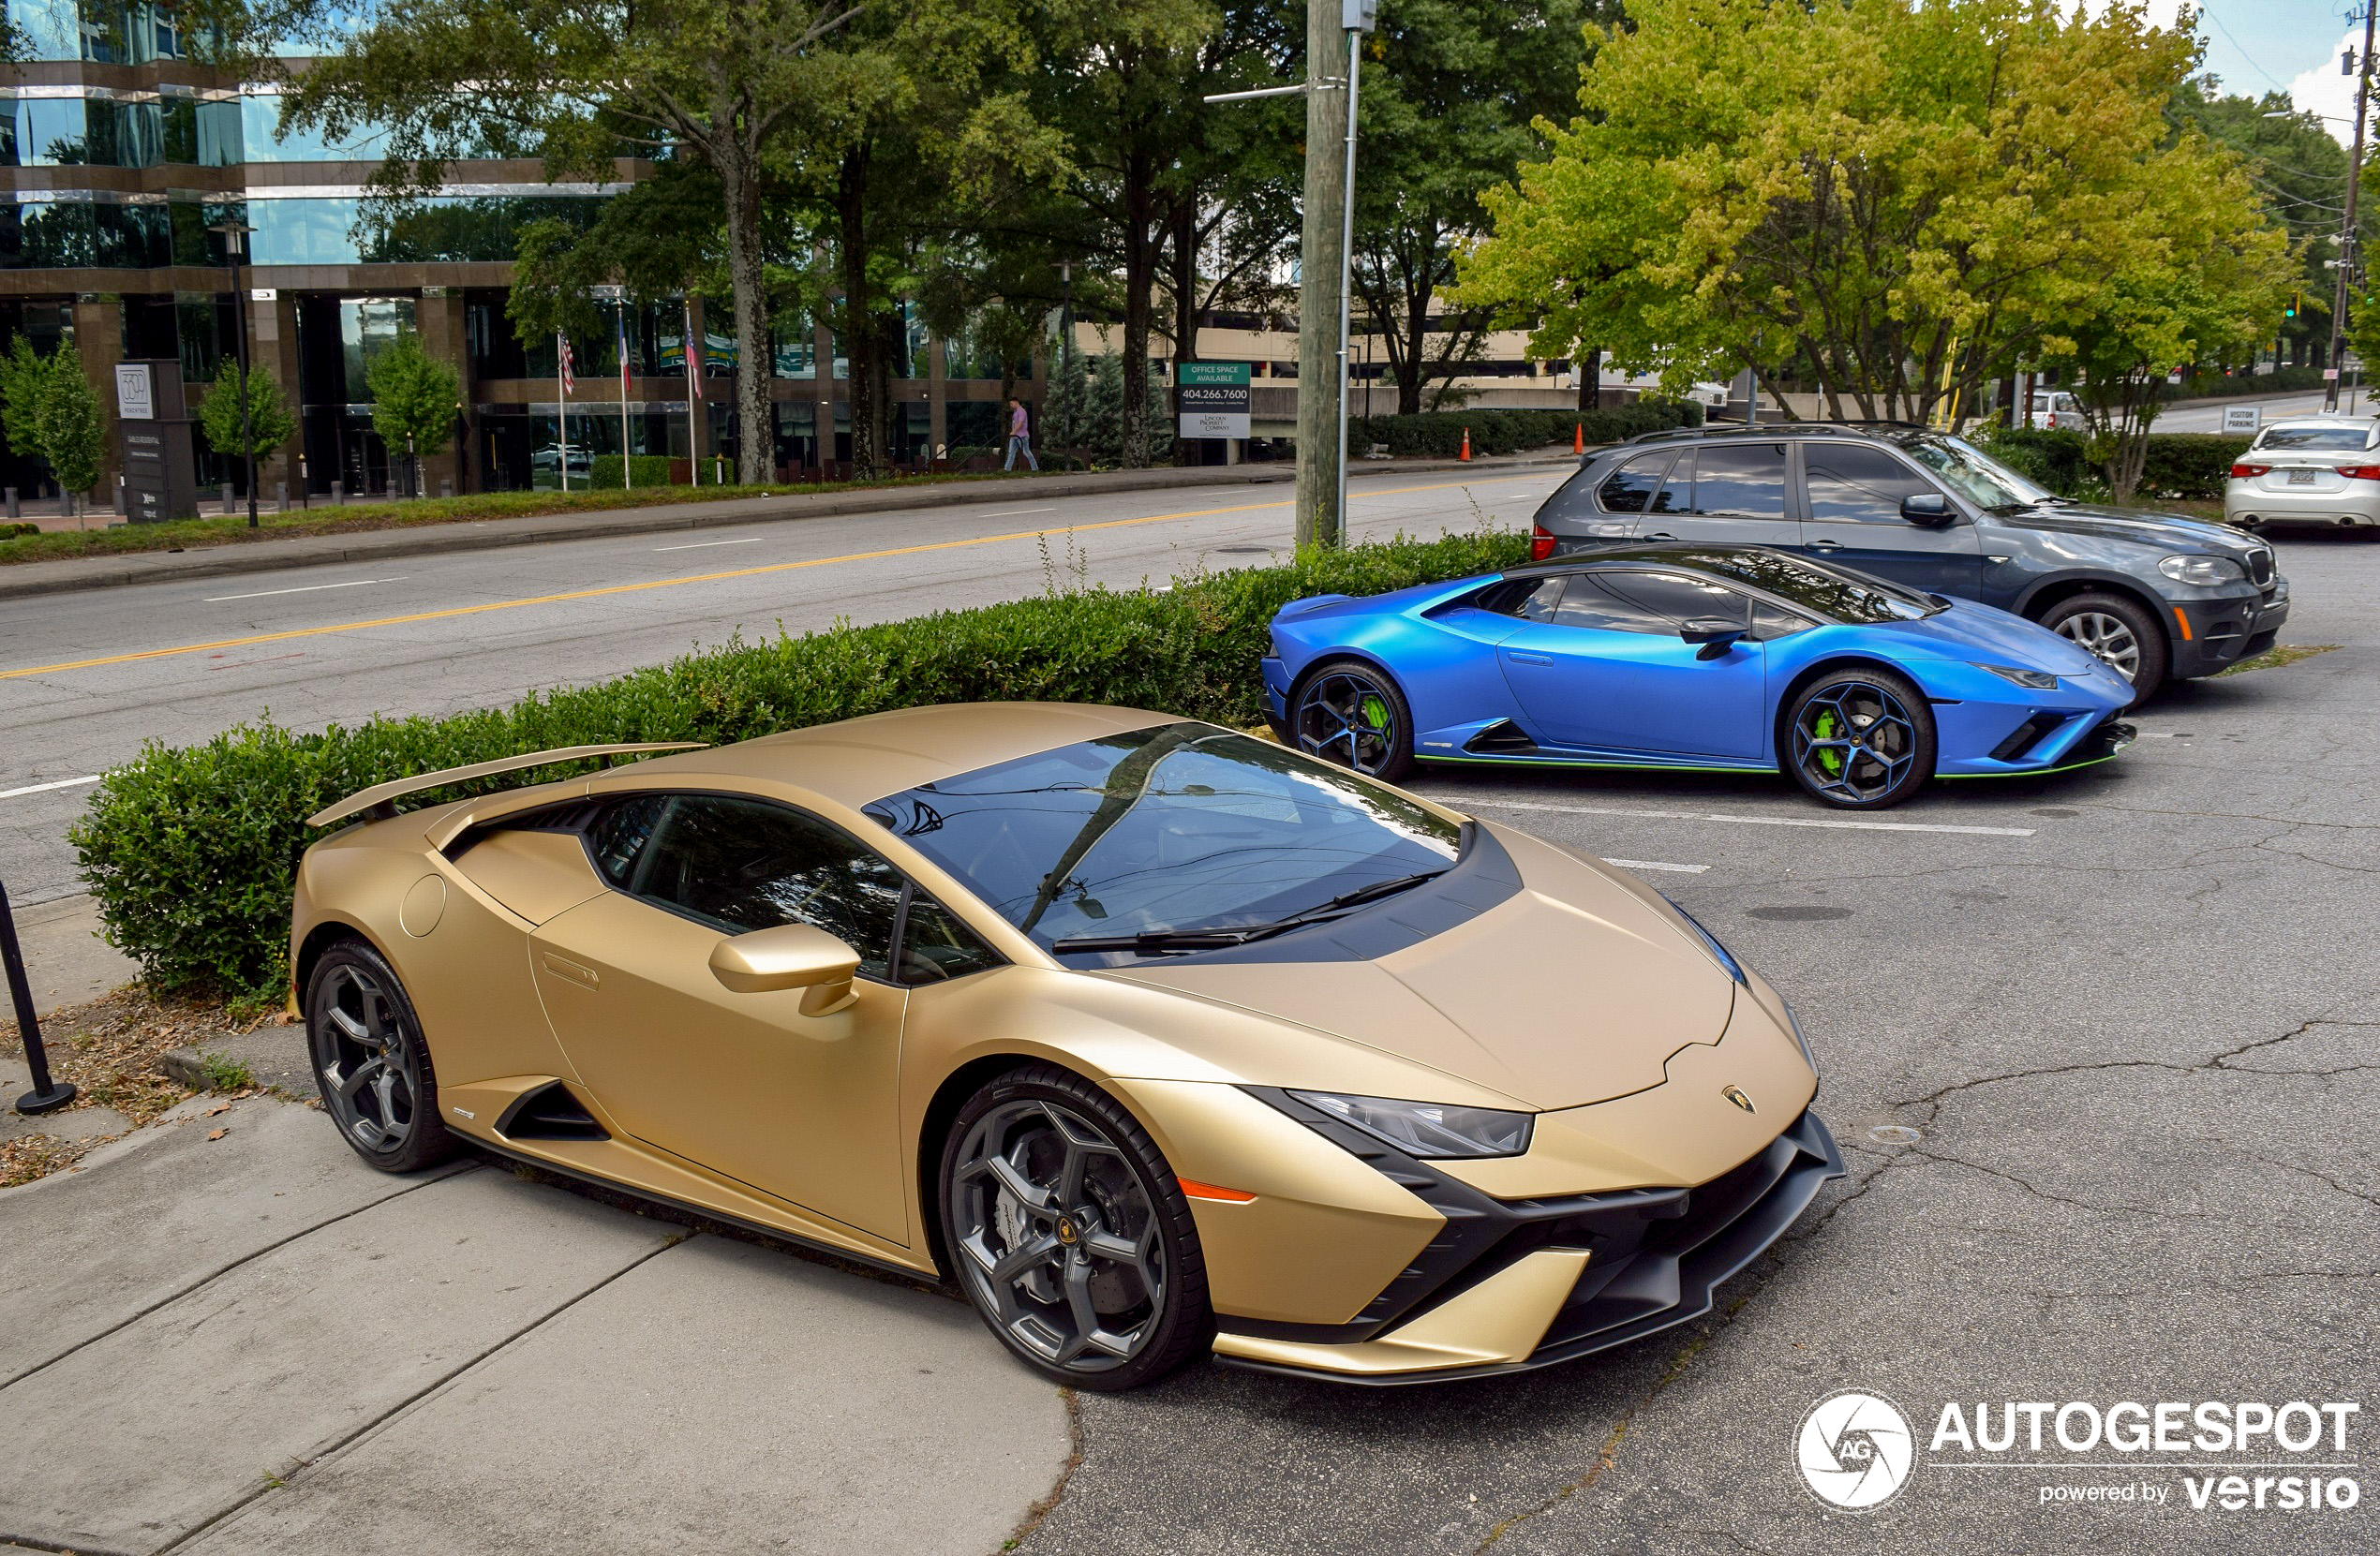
x: 1715, y: 637
x: 1930, y: 509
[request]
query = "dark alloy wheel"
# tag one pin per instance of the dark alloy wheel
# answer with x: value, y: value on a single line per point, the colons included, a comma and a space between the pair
x: 1860, y: 738
x: 370, y: 1062
x: 1352, y: 714
x: 2120, y: 633
x: 1070, y: 1233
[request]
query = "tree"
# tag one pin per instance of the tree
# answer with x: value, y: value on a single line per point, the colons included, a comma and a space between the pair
x: 269, y: 423
x: 1887, y: 197
x: 414, y: 397
x: 1450, y: 91
x: 24, y: 372
x: 71, y: 430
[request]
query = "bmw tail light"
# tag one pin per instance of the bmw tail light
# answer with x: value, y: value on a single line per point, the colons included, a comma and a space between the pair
x: 2248, y: 472
x: 2361, y: 472
x: 1540, y: 543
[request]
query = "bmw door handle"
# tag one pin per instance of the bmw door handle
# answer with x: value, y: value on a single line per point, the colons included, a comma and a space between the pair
x: 1531, y: 658
x: 1826, y: 545
x: 1662, y: 535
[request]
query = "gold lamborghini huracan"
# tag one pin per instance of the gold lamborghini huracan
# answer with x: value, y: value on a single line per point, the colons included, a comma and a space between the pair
x: 1154, y: 1037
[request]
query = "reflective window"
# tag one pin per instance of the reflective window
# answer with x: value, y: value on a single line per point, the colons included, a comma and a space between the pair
x: 1629, y: 489
x: 1967, y: 471
x: 935, y: 946
x: 1676, y: 495
x: 1740, y: 479
x: 1825, y: 591
x: 1770, y: 622
x: 620, y: 833
x: 746, y: 864
x: 1175, y: 827
x: 1853, y: 483
x: 2348, y: 438
x: 1655, y: 602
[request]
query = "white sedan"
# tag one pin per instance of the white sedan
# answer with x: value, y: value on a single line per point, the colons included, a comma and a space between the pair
x: 2308, y: 470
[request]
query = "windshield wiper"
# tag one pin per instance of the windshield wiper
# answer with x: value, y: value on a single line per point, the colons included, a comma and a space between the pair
x: 1154, y: 942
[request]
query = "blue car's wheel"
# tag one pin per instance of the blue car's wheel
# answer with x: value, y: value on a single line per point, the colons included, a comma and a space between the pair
x: 1349, y: 713
x: 1860, y: 738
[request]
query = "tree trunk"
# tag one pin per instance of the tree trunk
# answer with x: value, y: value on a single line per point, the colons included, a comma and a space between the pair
x: 755, y: 432
x: 859, y: 338
x: 1140, y: 257
x: 1590, y: 368
x: 1182, y: 258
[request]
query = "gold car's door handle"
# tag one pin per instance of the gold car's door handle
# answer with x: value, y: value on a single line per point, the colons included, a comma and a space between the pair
x: 563, y: 966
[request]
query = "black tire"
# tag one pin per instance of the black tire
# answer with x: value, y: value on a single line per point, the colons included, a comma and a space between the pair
x: 371, y: 1063
x: 2121, y: 632
x: 1861, y: 739
x: 1354, y: 715
x: 1042, y: 1121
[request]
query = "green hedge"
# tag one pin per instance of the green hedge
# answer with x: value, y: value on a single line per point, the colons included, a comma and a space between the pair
x: 2178, y: 465
x: 192, y: 851
x: 652, y: 470
x: 1438, y: 434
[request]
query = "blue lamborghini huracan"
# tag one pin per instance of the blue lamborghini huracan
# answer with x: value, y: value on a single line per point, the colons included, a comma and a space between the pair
x: 1735, y: 658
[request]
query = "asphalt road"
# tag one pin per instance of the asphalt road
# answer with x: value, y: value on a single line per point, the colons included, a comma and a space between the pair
x: 2207, y: 416
x: 2136, y: 1034
x: 633, y: 601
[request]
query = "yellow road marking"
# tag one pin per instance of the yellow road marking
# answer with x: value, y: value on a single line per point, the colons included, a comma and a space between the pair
x: 699, y: 578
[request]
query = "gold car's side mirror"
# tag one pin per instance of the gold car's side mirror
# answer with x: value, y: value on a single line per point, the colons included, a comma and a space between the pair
x: 791, y: 955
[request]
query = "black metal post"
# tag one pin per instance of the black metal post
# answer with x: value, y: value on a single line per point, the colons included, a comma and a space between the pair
x: 47, y: 1096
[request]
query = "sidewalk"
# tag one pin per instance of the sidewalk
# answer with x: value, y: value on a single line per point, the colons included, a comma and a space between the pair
x: 224, y: 1329
x: 73, y: 575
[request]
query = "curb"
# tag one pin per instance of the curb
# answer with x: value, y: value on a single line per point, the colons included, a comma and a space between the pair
x: 28, y: 580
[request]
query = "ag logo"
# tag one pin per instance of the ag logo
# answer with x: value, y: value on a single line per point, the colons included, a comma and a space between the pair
x: 1855, y: 1450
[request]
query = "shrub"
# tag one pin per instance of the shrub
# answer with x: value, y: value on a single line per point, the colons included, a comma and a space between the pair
x: 1438, y: 434
x: 650, y: 469
x: 192, y: 851
x: 2186, y: 465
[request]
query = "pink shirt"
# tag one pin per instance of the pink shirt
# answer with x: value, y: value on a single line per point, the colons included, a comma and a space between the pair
x: 1016, y: 422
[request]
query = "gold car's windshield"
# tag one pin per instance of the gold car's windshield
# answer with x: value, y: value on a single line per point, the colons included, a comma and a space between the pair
x: 1171, y: 830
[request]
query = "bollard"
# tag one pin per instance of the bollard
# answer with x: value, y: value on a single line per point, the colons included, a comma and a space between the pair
x: 229, y: 506
x: 47, y: 1096
x: 445, y: 487
x: 281, y: 496
x: 338, y: 494
x: 12, y: 503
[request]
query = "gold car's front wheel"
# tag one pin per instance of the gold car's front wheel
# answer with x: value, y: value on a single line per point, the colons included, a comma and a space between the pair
x: 1070, y: 1233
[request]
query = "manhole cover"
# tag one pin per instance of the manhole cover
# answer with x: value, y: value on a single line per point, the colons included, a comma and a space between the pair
x: 1793, y: 914
x: 1894, y: 1134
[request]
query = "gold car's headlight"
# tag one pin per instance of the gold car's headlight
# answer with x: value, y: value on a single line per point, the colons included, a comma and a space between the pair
x: 1428, y: 1131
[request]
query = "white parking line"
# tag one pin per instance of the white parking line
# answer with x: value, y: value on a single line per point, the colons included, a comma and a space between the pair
x: 1012, y: 512
x: 1466, y: 801
x: 703, y: 545
x: 1657, y: 865
x: 310, y: 588
x: 45, y: 788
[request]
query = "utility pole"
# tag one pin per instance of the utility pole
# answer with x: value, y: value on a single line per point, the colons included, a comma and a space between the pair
x: 2350, y: 255
x: 1322, y: 261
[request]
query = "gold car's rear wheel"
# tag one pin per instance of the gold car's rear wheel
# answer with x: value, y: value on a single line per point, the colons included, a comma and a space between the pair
x: 370, y: 1062
x: 1070, y: 1233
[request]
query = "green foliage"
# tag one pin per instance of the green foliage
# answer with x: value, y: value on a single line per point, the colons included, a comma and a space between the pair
x: 2178, y: 465
x: 415, y: 399
x: 650, y: 469
x: 1086, y: 411
x: 12, y: 531
x: 69, y: 425
x: 23, y: 373
x: 1438, y: 434
x: 222, y: 1072
x: 270, y: 422
x: 192, y: 851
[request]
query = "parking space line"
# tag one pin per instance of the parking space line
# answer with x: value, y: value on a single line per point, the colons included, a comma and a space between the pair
x: 45, y: 788
x: 309, y: 589
x: 1460, y: 802
x: 703, y: 545
x: 1657, y: 865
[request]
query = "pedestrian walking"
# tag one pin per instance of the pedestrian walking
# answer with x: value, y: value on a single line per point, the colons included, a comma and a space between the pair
x: 1019, y: 438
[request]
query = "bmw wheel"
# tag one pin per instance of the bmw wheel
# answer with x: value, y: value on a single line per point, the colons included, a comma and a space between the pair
x: 1069, y: 1233
x: 1860, y: 738
x: 370, y: 1062
x: 1349, y: 713
x: 2120, y: 633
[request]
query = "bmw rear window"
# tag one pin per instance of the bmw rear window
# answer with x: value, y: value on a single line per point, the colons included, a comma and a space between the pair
x: 1176, y: 827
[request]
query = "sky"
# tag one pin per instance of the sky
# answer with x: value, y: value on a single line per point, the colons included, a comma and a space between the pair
x: 2293, y: 46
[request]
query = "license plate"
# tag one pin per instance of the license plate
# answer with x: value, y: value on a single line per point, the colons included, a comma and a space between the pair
x: 2301, y: 478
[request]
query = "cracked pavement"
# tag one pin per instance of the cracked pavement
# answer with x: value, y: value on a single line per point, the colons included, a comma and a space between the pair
x: 2135, y: 1046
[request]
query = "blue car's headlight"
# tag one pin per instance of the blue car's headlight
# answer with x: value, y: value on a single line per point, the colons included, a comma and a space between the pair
x: 1733, y: 968
x: 2036, y: 680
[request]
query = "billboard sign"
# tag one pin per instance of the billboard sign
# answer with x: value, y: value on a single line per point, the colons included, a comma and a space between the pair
x: 1213, y: 398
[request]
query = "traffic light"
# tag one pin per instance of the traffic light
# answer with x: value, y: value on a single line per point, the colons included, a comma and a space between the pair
x: 2294, y: 298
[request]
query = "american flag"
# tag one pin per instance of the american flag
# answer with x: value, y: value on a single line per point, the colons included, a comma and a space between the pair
x: 570, y: 376
x: 697, y: 353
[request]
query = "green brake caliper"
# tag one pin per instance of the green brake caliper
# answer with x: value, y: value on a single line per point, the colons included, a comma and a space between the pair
x: 1376, y: 712
x: 1824, y: 730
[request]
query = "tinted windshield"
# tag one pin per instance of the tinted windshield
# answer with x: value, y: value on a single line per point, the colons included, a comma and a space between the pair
x: 2314, y: 438
x: 1182, y: 826
x: 1830, y: 594
x: 1972, y: 473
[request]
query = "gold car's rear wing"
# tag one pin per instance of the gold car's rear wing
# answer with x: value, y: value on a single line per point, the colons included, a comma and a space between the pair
x: 381, y: 799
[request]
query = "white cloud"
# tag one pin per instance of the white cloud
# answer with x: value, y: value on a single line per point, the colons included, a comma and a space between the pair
x: 2323, y: 90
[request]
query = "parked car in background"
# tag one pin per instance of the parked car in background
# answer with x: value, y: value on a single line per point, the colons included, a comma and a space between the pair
x: 1733, y: 658
x: 2055, y: 410
x: 575, y: 458
x: 2156, y: 596
x: 2308, y: 470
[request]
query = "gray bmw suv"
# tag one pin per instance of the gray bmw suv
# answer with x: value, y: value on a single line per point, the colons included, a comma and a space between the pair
x: 2156, y: 596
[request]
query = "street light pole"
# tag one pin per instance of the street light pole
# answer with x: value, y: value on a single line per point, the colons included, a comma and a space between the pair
x: 2348, y: 245
x: 235, y: 232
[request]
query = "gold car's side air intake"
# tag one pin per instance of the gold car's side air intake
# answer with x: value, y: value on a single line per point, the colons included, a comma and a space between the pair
x: 379, y: 801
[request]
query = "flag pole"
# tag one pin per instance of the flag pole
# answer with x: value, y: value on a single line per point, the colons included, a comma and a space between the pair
x: 694, y: 365
x: 627, y: 478
x: 561, y: 408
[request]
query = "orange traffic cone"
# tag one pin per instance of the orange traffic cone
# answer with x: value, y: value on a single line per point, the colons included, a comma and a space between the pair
x: 1465, y: 454
x: 1578, y: 440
